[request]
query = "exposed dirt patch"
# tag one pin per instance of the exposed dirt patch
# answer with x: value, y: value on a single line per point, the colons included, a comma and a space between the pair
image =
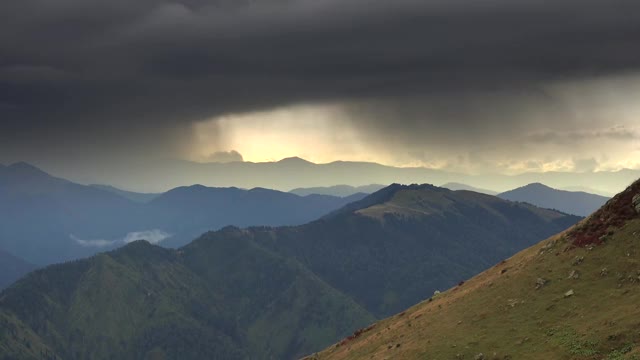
x: 355, y: 335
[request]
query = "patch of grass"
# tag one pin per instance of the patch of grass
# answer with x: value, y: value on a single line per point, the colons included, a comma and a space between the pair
x: 619, y: 354
x: 573, y: 342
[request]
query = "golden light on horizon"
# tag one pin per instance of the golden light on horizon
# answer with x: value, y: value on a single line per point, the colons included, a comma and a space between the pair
x: 314, y: 133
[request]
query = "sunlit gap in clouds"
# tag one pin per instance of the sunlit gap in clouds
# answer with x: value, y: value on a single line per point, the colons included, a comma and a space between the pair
x: 316, y: 133
x: 589, y: 125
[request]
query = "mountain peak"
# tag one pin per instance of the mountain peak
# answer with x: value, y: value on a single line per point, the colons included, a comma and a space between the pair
x: 143, y: 249
x: 382, y: 196
x: 294, y: 160
x: 536, y: 185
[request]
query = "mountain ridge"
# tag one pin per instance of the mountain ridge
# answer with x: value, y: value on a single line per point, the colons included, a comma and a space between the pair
x: 571, y: 296
x: 265, y: 292
x: 161, y: 175
x: 78, y: 220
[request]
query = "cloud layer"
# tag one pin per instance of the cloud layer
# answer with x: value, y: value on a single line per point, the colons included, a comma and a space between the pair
x: 152, y: 236
x: 129, y: 78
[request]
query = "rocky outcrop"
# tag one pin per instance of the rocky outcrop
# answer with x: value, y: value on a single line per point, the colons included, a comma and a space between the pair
x: 636, y: 203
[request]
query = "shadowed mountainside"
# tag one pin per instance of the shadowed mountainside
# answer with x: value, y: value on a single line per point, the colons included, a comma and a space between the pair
x: 44, y: 219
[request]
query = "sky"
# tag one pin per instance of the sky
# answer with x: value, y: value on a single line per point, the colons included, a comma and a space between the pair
x: 494, y: 86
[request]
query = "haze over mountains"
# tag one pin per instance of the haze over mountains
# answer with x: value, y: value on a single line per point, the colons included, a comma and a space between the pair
x: 572, y: 296
x: 459, y: 186
x: 44, y: 219
x: 292, y: 173
x: 338, y: 190
x: 268, y: 292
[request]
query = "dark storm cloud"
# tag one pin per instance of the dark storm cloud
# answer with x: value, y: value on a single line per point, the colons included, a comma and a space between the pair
x: 620, y: 134
x: 137, y: 73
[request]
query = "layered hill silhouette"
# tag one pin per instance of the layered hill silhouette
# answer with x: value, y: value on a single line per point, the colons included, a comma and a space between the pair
x: 338, y: 190
x: 572, y: 296
x: 459, y: 186
x: 12, y: 268
x: 267, y: 293
x: 292, y: 173
x: 572, y: 202
x: 44, y: 219
x: 134, y: 196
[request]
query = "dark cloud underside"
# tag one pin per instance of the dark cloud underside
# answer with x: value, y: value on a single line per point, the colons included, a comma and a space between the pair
x: 136, y: 75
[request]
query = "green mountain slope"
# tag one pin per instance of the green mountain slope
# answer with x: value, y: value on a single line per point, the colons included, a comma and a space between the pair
x: 143, y: 301
x: 397, y: 246
x: 573, y: 296
x: 267, y: 293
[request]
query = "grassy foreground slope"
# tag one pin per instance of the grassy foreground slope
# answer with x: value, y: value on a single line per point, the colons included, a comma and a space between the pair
x: 573, y: 296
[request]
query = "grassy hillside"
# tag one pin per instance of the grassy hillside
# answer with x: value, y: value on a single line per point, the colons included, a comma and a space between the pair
x: 573, y: 296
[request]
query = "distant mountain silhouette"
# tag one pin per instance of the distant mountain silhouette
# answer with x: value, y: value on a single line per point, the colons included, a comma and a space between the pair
x: 571, y: 202
x: 44, y: 219
x: 588, y: 190
x: 12, y: 268
x: 262, y: 292
x: 459, y: 186
x: 338, y: 190
x: 39, y: 213
x: 292, y: 173
x: 193, y: 210
x: 134, y: 196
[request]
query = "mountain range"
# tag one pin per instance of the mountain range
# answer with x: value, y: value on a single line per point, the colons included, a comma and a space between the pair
x: 158, y: 176
x: 44, y: 219
x: 572, y: 296
x: 338, y: 190
x: 265, y: 292
x: 572, y: 202
x: 291, y: 173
